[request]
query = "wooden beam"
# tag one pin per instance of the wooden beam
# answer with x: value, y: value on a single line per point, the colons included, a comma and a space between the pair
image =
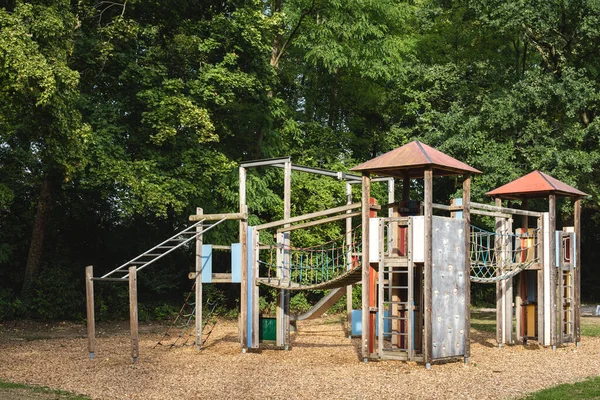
x: 366, y: 195
x: 218, y: 217
x: 446, y: 208
x: 505, y: 210
x: 577, y: 282
x: 199, y: 282
x: 466, y: 213
x: 304, y: 217
x: 91, y: 319
x: 490, y: 213
x: 499, y: 284
x: 320, y: 221
x: 428, y: 270
x: 133, y: 314
x: 552, y: 263
x: 244, y: 275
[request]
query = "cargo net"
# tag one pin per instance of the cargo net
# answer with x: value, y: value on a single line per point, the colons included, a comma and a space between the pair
x: 314, y: 265
x: 496, y: 256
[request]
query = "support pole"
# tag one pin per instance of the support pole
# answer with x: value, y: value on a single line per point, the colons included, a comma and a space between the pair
x: 552, y: 263
x: 428, y: 225
x: 466, y: 201
x: 283, y: 304
x: 577, y: 283
x: 366, y: 195
x: 198, y: 315
x: 498, y: 246
x: 133, y: 314
x: 91, y: 320
x: 349, y: 258
x: 244, y: 276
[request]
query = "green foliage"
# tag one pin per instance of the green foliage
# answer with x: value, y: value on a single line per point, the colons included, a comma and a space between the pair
x: 58, y: 295
x: 299, y: 303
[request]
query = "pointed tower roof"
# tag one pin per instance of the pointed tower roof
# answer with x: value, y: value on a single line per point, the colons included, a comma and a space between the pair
x: 412, y: 159
x: 535, y: 185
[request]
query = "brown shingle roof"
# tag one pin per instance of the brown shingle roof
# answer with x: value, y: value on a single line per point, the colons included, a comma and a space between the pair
x: 535, y: 185
x: 412, y: 159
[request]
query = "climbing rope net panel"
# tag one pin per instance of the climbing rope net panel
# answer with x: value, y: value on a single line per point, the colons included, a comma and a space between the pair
x: 306, y: 267
x: 496, y: 256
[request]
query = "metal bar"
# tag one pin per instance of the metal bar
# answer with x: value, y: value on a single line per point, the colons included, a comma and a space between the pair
x: 152, y: 249
x: 178, y: 246
x: 110, y: 279
x: 265, y: 162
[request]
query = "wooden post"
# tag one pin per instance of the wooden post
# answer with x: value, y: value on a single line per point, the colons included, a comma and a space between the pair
x: 133, y: 313
x: 552, y: 263
x: 91, y: 319
x: 428, y: 225
x: 577, y: 282
x: 283, y: 307
x: 507, y: 294
x: 244, y: 275
x: 540, y: 282
x: 466, y: 201
x: 498, y: 245
x: 198, y: 316
x: 366, y: 195
x: 349, y: 258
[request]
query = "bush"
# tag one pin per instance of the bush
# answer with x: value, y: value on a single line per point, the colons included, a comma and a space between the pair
x: 58, y: 294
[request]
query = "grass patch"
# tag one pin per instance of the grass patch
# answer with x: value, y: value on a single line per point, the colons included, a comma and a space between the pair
x: 588, y: 389
x: 590, y: 326
x: 483, y: 320
x: 22, y: 391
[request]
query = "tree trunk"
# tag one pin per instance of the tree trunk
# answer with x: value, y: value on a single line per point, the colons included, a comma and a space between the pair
x: 34, y: 259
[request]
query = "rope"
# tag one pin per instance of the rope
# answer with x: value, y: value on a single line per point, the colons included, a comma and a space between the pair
x: 183, y: 323
x: 313, y: 265
x: 497, y: 256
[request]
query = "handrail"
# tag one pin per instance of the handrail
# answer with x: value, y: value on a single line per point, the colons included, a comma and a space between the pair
x: 308, y: 216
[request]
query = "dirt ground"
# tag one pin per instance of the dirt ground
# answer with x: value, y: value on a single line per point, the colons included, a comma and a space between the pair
x: 323, y: 363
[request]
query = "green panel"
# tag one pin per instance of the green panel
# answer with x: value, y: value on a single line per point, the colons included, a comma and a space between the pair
x: 268, y: 328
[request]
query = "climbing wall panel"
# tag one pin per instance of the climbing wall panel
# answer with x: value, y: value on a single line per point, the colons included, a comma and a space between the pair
x: 448, y: 288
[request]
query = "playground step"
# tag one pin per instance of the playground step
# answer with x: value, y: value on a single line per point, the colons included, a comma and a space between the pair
x: 395, y: 261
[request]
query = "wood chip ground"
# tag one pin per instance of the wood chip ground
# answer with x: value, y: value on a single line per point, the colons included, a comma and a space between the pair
x: 323, y: 363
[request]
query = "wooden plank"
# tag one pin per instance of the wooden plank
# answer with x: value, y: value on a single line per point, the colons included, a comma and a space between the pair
x: 218, y: 217
x: 287, y: 213
x: 446, y: 207
x: 199, y: 283
x: 411, y: 293
x: 552, y: 263
x: 91, y: 319
x: 508, y: 295
x: 490, y: 213
x: 320, y: 221
x: 255, y: 294
x: 317, y: 214
x: 428, y: 224
x: 577, y: 282
x: 133, y: 314
x: 504, y: 210
x: 366, y: 195
x: 466, y: 206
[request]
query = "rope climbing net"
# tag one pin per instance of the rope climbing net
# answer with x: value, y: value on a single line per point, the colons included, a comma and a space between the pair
x: 307, y: 266
x: 181, y: 331
x: 496, y: 256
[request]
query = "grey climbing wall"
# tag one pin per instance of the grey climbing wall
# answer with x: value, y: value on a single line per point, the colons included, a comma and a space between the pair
x: 448, y: 288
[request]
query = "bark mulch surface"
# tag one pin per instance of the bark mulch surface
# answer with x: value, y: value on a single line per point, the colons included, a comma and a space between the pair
x: 323, y: 363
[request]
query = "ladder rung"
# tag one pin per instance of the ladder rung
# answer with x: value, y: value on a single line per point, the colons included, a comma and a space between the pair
x: 395, y: 287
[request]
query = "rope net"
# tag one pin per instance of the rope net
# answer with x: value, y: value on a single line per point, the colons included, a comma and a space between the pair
x: 496, y: 256
x: 308, y: 266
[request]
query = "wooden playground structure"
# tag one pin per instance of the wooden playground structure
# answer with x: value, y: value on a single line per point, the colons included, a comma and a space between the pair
x: 414, y: 259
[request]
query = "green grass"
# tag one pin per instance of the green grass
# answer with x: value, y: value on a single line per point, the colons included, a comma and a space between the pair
x: 483, y: 320
x: 22, y: 391
x: 588, y: 389
x: 590, y: 326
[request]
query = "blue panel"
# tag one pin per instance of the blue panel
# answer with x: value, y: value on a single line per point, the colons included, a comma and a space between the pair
x: 236, y: 262
x: 458, y: 202
x: 206, y: 263
x: 356, y: 323
x: 250, y: 287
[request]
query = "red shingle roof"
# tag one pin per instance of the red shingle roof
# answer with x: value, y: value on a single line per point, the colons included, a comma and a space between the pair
x: 535, y: 185
x: 412, y: 159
